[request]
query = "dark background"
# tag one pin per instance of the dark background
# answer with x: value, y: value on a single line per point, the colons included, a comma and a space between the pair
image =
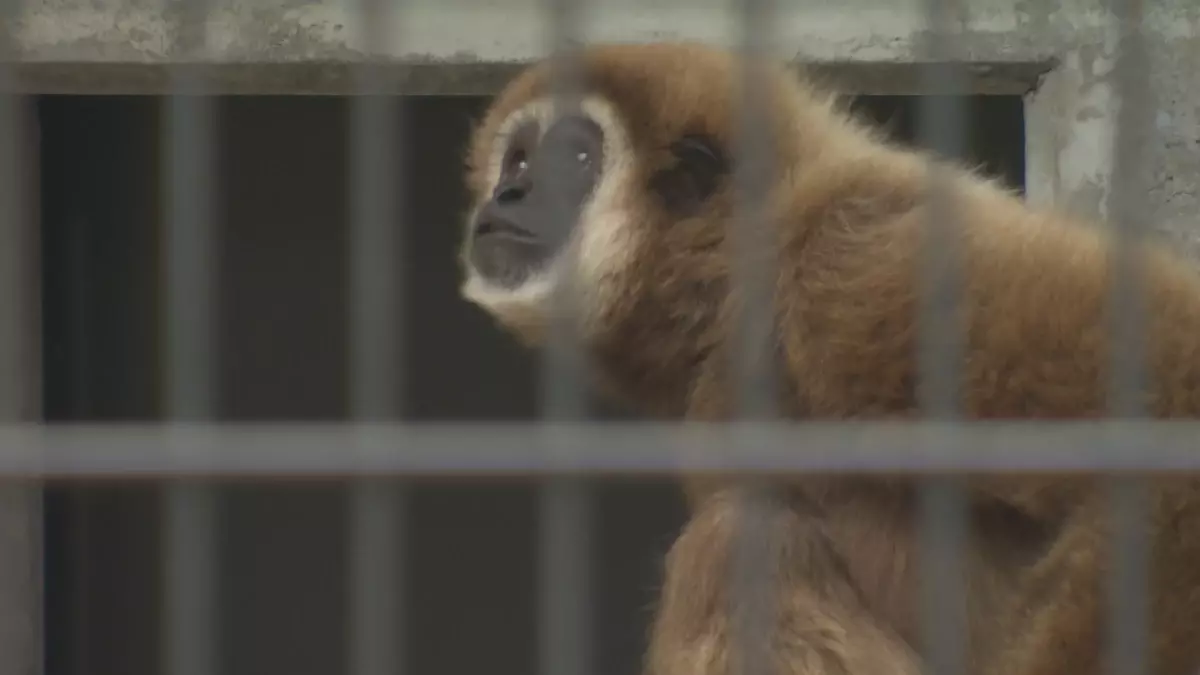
x: 281, y: 212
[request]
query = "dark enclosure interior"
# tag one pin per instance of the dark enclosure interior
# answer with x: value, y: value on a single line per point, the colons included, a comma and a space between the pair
x: 281, y: 217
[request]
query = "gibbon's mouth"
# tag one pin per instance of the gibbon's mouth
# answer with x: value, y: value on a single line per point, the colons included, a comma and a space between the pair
x: 506, y: 254
x: 498, y: 227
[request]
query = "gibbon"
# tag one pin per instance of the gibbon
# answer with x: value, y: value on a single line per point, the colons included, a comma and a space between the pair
x: 626, y: 198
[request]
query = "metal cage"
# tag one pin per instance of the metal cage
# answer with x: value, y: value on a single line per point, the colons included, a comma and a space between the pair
x: 938, y: 50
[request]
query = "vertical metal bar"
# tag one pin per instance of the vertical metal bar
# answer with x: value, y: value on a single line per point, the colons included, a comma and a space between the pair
x: 21, y: 581
x: 943, y: 609
x: 190, y: 518
x: 563, y: 368
x: 942, y: 129
x: 752, y: 584
x: 565, y: 602
x: 752, y: 241
x: 565, y: 576
x: 376, y: 629
x: 753, y: 238
x: 943, y: 522
x: 19, y: 374
x: 1129, y: 610
x: 1129, y: 373
x: 191, y: 584
x: 376, y: 254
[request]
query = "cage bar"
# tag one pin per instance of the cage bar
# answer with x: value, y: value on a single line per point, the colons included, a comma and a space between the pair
x: 753, y: 581
x: 21, y: 575
x: 133, y: 452
x: 754, y: 356
x: 563, y: 392
x: 1129, y: 616
x: 1128, y: 370
x: 942, y: 509
x: 377, y: 254
x: 376, y: 628
x: 17, y: 238
x: 565, y: 598
x: 942, y: 128
x: 565, y: 606
x: 943, y: 609
x: 753, y: 238
x: 563, y: 449
x: 190, y: 514
x: 1128, y: 606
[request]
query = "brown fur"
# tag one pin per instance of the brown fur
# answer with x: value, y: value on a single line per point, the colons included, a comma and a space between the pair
x: 848, y: 210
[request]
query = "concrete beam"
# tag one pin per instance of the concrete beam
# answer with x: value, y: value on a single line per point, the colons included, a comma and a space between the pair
x: 471, y: 46
x: 1058, y: 53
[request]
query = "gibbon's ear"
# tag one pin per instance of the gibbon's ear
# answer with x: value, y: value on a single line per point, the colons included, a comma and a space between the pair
x: 693, y: 178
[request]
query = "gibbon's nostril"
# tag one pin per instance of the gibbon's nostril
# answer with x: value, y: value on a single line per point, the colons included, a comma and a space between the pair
x: 510, y: 194
x: 511, y: 191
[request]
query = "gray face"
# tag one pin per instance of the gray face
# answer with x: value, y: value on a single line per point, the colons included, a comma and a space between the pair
x: 543, y: 185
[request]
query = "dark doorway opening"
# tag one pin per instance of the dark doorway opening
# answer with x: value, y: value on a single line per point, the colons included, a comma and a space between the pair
x: 282, y: 200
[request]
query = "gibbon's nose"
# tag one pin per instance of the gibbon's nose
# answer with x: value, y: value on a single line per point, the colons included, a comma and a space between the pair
x: 511, y: 190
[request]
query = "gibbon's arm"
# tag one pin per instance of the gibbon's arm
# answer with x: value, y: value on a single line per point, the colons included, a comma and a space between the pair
x: 815, y: 619
x: 1061, y: 619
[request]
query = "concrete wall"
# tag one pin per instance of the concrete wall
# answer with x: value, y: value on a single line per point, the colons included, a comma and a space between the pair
x: 451, y: 46
x: 1060, y: 53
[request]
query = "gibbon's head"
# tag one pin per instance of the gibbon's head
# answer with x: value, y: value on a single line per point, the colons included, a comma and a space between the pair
x: 623, y: 196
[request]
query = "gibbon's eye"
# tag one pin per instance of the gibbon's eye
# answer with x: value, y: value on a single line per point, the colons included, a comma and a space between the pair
x: 583, y: 158
x: 696, y: 174
x: 517, y: 161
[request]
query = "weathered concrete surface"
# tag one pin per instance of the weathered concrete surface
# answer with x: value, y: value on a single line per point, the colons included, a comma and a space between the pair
x: 1072, y: 118
x: 1064, y: 49
x: 299, y: 44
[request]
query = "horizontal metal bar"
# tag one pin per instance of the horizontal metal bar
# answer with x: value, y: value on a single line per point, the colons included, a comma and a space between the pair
x: 120, y: 451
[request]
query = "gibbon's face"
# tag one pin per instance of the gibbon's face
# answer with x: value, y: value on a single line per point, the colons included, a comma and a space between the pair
x: 547, y: 211
x: 547, y: 171
x: 567, y: 198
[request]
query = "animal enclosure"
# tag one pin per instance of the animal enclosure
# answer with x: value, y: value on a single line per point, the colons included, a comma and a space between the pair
x: 268, y: 435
